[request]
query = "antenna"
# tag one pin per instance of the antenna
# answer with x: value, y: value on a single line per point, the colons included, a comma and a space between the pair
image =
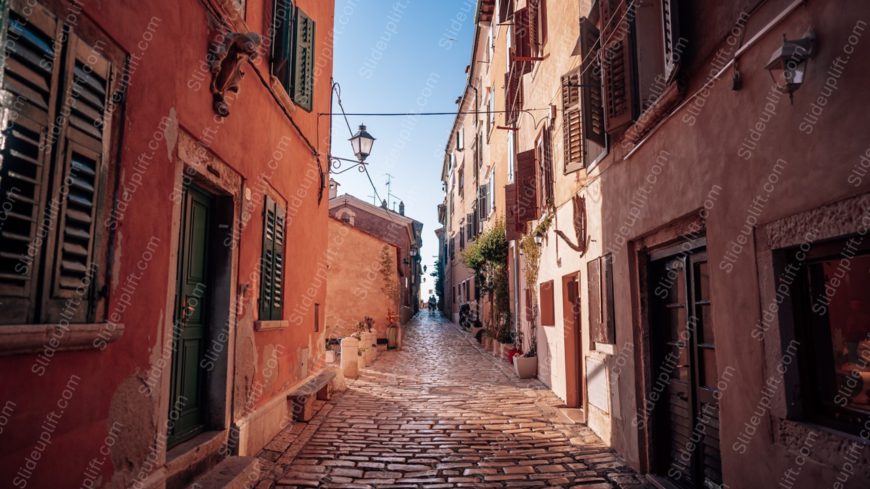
x: 389, y: 187
x: 374, y: 199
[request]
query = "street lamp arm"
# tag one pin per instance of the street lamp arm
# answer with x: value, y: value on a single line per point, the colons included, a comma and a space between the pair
x: 335, y: 164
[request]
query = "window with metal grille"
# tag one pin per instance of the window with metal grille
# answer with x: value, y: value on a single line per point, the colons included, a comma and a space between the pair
x: 58, y: 133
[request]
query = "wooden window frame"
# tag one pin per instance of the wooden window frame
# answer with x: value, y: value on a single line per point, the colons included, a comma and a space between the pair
x: 814, y: 362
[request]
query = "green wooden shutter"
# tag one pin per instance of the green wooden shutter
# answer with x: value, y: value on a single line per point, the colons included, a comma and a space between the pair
x: 282, y: 42
x: 278, y: 263
x: 30, y: 76
x: 79, y: 179
x: 267, y: 272
x: 272, y: 261
x: 303, y: 61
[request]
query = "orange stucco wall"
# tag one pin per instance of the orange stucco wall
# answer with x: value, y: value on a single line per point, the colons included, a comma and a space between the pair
x: 258, y: 141
x: 355, y: 282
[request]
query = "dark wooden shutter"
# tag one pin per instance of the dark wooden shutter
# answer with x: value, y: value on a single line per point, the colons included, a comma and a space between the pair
x: 482, y: 201
x: 572, y: 133
x: 601, y: 299
x: 469, y: 226
x: 527, y: 187
x: 537, y: 26
x: 80, y: 177
x: 29, y: 75
x: 513, y: 228
x: 548, y: 311
x: 593, y: 99
x: 283, y: 43
x: 546, y: 164
x: 272, y: 260
x: 303, y: 61
x: 267, y: 259
x: 671, y: 28
x: 505, y: 10
x: 609, y: 302
x: 513, y: 94
x: 593, y: 285
x: 278, y: 262
x: 579, y: 204
x: 616, y: 65
x: 521, y: 40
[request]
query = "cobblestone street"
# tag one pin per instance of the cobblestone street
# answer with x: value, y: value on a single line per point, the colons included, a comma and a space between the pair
x: 440, y: 413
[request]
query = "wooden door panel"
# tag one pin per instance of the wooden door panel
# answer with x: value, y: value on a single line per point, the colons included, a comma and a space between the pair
x: 686, y: 430
x: 191, y: 318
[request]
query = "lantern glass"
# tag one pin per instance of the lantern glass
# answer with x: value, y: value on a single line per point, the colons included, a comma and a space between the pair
x: 361, y: 143
x: 788, y: 64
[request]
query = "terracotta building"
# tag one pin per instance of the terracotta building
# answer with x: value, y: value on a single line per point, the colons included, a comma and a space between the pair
x: 393, y: 228
x: 155, y: 158
x: 700, y: 301
x: 363, y: 280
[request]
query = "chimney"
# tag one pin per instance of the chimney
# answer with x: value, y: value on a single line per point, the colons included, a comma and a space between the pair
x: 384, y: 204
x: 333, y: 189
x: 401, y: 208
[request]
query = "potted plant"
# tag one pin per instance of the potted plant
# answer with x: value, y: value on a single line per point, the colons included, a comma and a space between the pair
x: 476, y: 328
x: 332, y: 349
x: 526, y: 365
x: 505, y: 341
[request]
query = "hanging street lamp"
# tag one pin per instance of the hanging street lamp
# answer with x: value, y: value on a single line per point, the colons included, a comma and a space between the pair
x: 361, y: 144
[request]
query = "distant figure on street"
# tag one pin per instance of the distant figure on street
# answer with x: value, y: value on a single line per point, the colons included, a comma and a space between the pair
x: 432, y: 304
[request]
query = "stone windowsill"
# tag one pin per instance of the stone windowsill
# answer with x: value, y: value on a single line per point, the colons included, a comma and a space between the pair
x: 268, y: 325
x: 34, y: 338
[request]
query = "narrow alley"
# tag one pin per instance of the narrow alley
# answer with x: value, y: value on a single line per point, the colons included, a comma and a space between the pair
x: 441, y: 413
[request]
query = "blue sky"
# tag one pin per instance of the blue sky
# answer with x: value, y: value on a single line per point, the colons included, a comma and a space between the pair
x: 402, y: 56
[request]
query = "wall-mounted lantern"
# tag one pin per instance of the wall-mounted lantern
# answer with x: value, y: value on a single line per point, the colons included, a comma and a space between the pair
x: 788, y: 64
x: 362, y: 142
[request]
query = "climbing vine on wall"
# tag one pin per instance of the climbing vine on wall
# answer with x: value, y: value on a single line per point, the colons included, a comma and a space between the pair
x: 487, y: 256
x: 387, y: 270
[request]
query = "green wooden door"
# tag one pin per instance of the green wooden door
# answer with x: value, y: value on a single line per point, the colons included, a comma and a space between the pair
x: 187, y: 393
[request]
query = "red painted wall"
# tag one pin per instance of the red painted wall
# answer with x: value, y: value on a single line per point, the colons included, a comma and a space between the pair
x: 170, y: 80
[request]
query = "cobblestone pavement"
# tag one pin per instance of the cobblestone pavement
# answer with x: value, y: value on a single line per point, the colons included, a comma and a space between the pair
x: 440, y: 413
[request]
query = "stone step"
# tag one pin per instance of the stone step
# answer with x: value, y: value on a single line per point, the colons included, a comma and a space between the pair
x: 230, y: 473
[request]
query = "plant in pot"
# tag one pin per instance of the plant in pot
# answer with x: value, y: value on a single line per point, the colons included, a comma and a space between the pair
x: 526, y: 365
x: 476, y: 328
x: 505, y: 340
x: 333, y: 349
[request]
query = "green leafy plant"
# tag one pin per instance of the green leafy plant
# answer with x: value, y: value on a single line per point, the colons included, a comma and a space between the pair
x: 487, y: 256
